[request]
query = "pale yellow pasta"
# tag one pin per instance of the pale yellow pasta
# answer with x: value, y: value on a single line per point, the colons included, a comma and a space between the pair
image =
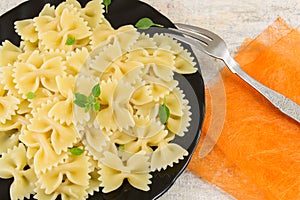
x: 105, y: 34
x: 8, y: 140
x: 8, y: 81
x: 113, y: 171
x: 62, y: 110
x: 62, y: 135
x: 41, y: 150
x: 146, y: 109
x: 76, y: 60
x: 143, y: 41
x: 142, y: 96
x: 95, y: 141
x: 167, y: 43
x: 106, y: 57
x: 12, y: 164
x: 94, y: 182
x: 8, y: 107
x: 16, y: 122
x: 93, y: 13
x: 69, y: 25
x: 26, y: 30
x: 149, y: 56
x: 178, y: 125
x: 184, y: 63
x: 37, y: 71
x: 75, y: 170
x: 40, y: 122
x: 166, y: 155
x: 8, y: 53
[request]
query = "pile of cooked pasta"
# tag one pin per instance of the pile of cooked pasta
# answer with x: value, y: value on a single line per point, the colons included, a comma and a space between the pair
x: 124, y: 139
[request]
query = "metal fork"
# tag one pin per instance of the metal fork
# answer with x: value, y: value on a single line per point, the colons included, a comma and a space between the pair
x: 213, y: 45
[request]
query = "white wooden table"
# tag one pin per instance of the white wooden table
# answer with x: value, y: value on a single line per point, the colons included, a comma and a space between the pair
x: 234, y: 20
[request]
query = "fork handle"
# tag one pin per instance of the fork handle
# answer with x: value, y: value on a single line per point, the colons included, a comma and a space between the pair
x: 284, y: 104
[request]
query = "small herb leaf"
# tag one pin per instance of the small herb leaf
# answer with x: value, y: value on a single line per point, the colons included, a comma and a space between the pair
x: 146, y: 23
x: 30, y: 95
x: 80, y: 103
x: 80, y: 100
x: 89, y: 102
x: 122, y: 148
x: 106, y: 3
x: 164, y: 112
x: 96, y: 91
x: 96, y: 106
x: 81, y: 97
x: 76, y: 151
x: 87, y: 108
x: 70, y: 41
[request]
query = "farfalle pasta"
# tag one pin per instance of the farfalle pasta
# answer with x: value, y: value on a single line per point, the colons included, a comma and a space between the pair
x: 67, y: 50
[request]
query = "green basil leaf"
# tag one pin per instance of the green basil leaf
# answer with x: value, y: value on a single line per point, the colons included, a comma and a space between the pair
x: 106, y: 3
x: 164, y: 113
x: 81, y: 97
x: 96, y: 106
x: 70, y: 41
x: 30, y: 95
x: 146, y: 23
x: 96, y: 91
x: 87, y: 108
x: 91, y: 100
x: 81, y: 104
x: 76, y: 151
x: 122, y: 148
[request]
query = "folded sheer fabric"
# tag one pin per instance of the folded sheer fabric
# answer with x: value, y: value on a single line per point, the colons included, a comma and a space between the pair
x: 258, y: 153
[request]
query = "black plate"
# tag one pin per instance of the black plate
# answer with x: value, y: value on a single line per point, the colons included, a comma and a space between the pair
x: 123, y: 12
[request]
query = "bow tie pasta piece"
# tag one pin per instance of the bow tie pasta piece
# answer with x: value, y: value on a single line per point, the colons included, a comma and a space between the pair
x: 62, y: 109
x: 180, y: 116
x: 8, y: 107
x: 94, y: 182
x: 8, y: 81
x: 117, y: 114
x: 69, y: 179
x: 26, y: 30
x: 17, y: 122
x: 142, y: 95
x: 8, y: 140
x: 12, y: 164
x: 93, y: 13
x: 62, y: 135
x: 69, y: 25
x: 184, y: 63
x: 46, y: 20
x: 167, y: 43
x: 105, y: 34
x: 135, y: 170
x: 38, y: 71
x: 144, y: 41
x: 157, y: 57
x: 8, y: 53
x: 76, y: 60
x: 41, y: 150
x: 106, y: 57
x: 166, y: 155
x: 96, y: 141
x: 145, y: 138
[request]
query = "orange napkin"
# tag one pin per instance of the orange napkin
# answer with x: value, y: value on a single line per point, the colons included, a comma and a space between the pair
x: 258, y: 153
